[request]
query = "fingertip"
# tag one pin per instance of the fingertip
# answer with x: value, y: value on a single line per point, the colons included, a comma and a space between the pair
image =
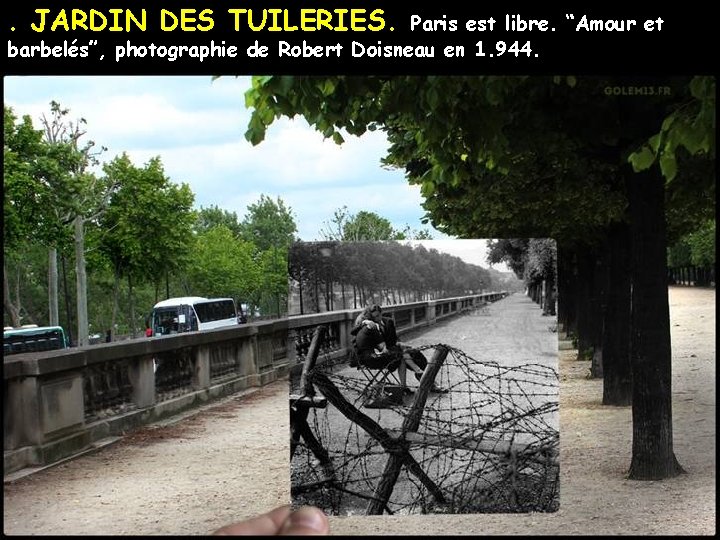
x: 306, y: 521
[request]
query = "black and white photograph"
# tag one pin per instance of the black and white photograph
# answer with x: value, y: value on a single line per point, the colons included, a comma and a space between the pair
x: 426, y: 381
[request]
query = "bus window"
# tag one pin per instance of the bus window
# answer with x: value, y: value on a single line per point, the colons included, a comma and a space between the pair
x: 165, y: 321
x: 216, y: 313
x: 33, y: 339
x: 192, y: 313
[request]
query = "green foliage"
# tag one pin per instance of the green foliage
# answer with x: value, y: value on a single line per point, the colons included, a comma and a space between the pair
x: 507, y: 156
x: 690, y: 125
x: 702, y: 245
x: 146, y: 230
x: 694, y: 249
x: 210, y: 217
x: 273, y: 265
x: 29, y: 199
x: 690, y: 197
x: 144, y: 240
x: 679, y: 254
x: 367, y: 226
x: 25, y: 267
x: 421, y: 234
x: 64, y: 169
x: 473, y: 144
x: 222, y: 265
x: 21, y: 145
x: 268, y: 223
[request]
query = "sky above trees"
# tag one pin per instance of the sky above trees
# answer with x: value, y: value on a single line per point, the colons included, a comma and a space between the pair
x: 196, y: 126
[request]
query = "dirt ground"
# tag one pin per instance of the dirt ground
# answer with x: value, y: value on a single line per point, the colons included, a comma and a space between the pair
x: 230, y: 461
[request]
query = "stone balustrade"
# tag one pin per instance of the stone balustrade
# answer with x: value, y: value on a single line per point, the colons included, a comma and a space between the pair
x: 60, y: 403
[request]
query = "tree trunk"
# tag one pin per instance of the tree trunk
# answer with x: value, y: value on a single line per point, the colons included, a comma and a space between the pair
x: 81, y: 293
x: 116, y: 304
x: 588, y: 304
x: 566, y: 292
x: 131, y: 308
x: 597, y: 367
x: 650, y: 353
x: 300, y: 293
x: 317, y: 295
x: 11, y: 309
x: 66, y: 296
x: 617, y: 376
x: 53, y: 311
x: 326, y: 293
x: 549, y: 299
x: 598, y: 302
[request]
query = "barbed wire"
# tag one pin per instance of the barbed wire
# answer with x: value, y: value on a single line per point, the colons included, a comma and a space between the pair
x: 489, y: 444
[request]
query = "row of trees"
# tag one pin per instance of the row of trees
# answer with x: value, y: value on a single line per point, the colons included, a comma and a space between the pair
x: 696, y: 248
x: 119, y: 237
x: 615, y: 179
x: 92, y: 247
x: 342, y: 275
x: 367, y: 226
x: 533, y: 260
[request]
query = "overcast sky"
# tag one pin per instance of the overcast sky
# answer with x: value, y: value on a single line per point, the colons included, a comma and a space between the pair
x: 470, y: 251
x: 196, y: 126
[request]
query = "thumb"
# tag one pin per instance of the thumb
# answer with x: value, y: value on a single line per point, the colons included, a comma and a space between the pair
x: 305, y: 521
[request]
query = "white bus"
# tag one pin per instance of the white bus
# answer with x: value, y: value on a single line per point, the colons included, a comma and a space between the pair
x: 190, y: 313
x: 32, y: 338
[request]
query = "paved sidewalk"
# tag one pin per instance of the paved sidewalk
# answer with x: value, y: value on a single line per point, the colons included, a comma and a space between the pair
x: 230, y: 461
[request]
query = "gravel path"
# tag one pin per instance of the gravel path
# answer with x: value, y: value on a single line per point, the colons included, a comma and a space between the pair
x: 230, y: 461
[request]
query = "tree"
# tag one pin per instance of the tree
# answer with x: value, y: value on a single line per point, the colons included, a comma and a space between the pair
x: 63, y: 195
x: 363, y: 226
x: 213, y: 215
x: 223, y: 266
x: 146, y: 232
x: 367, y: 226
x: 448, y: 132
x: 535, y: 261
x: 689, y: 126
x: 268, y: 223
x: 388, y: 272
x: 696, y: 248
x: 24, y: 211
x: 273, y: 266
x: 702, y: 244
x: 79, y: 198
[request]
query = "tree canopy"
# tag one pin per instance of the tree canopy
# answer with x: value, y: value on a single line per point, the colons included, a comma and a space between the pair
x: 269, y: 223
x: 499, y: 156
x: 551, y: 145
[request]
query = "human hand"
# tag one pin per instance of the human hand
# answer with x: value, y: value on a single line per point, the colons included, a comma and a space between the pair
x: 283, y: 521
x: 371, y: 324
